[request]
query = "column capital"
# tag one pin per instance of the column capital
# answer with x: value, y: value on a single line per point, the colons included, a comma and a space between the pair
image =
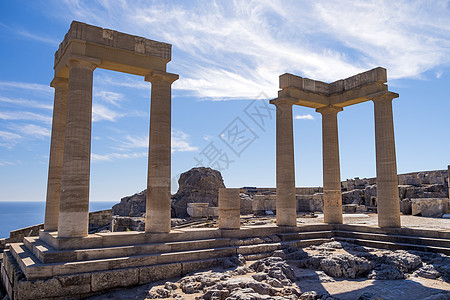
x: 330, y: 109
x: 283, y: 101
x: 59, y: 81
x: 161, y: 76
x: 384, y: 95
x: 83, y: 63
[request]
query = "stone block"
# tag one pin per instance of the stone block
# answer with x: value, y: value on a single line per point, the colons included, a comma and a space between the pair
x: 48, y: 288
x: 114, y: 278
x: 191, y: 266
x: 405, y: 206
x: 429, y: 207
x: 195, y: 210
x: 349, y: 208
x: 289, y: 80
x: 159, y: 272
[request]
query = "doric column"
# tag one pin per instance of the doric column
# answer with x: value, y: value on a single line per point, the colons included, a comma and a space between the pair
x: 332, y: 199
x: 286, y: 201
x: 388, y: 204
x: 158, y: 183
x: 74, y: 203
x: 56, y: 154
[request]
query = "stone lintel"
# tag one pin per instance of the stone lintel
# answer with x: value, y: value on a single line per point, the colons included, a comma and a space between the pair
x: 117, y: 51
x: 344, y: 92
x: 107, y: 37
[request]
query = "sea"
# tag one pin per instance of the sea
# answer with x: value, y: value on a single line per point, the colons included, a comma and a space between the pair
x: 19, y: 214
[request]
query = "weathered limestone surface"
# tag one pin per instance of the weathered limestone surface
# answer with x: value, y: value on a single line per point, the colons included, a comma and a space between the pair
x: 229, y: 208
x: 429, y: 207
x: 286, y: 203
x: 332, y: 201
x: 387, y: 181
x: 158, y: 185
x: 198, y: 185
x: 55, y: 165
x: 74, y: 203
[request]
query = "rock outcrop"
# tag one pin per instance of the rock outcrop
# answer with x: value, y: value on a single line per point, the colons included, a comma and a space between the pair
x: 131, y: 206
x: 198, y: 185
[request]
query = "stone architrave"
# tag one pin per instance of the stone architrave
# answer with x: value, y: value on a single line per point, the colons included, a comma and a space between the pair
x: 229, y: 208
x: 388, y: 204
x: 158, y: 184
x: 74, y: 203
x: 286, y: 205
x: 61, y: 86
x: 332, y: 198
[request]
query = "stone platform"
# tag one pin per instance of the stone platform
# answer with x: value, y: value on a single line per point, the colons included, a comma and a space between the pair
x: 52, y: 267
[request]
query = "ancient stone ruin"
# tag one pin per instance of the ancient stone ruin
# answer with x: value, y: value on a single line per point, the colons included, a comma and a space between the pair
x: 65, y: 261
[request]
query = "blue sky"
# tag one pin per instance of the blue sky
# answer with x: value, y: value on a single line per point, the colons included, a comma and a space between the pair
x: 229, y: 56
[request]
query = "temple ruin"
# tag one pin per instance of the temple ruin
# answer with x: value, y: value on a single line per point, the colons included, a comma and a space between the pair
x: 329, y: 99
x: 66, y: 261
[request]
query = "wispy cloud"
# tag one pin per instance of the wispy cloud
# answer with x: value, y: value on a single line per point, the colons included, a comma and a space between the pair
x: 8, y: 139
x: 35, y: 131
x: 27, y: 103
x: 6, y: 163
x: 304, y: 117
x: 110, y: 97
x: 25, y: 115
x: 34, y: 87
x: 234, y: 50
x: 116, y: 156
x: 180, y: 142
x: 32, y: 36
x: 101, y: 112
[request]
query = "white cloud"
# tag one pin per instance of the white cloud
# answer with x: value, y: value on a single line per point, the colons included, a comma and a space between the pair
x: 25, y: 115
x: 34, y: 87
x: 234, y: 50
x: 101, y: 112
x: 6, y: 163
x: 37, y: 37
x: 116, y: 156
x: 304, y: 117
x: 180, y: 142
x: 9, y: 139
x: 35, y: 130
x: 110, y: 97
x: 27, y: 103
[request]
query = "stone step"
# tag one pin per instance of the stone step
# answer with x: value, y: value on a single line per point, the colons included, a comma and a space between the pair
x: 305, y: 235
x: 48, y: 254
x: 420, y: 241
x: 35, y: 269
x: 417, y: 232
x: 394, y: 246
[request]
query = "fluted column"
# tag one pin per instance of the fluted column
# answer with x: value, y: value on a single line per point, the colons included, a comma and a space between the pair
x: 158, y: 184
x: 74, y: 203
x: 332, y: 198
x: 56, y: 154
x: 388, y: 204
x: 286, y: 202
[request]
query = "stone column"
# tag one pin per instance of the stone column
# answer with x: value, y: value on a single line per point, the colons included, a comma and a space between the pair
x: 56, y: 154
x: 74, y: 203
x: 332, y: 199
x: 388, y: 204
x: 229, y: 209
x: 158, y: 184
x: 286, y: 201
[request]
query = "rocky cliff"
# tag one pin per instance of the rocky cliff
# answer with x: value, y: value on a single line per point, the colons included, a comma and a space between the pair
x: 198, y: 185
